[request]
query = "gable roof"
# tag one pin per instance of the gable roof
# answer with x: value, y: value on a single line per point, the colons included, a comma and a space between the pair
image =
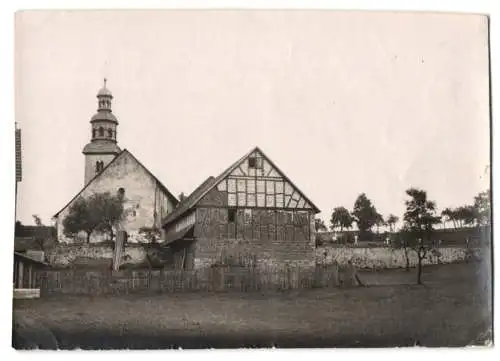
x: 212, y: 182
x: 27, y: 258
x: 124, y: 151
x: 190, y: 201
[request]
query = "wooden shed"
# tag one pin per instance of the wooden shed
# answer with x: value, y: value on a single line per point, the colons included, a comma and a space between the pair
x: 25, y: 284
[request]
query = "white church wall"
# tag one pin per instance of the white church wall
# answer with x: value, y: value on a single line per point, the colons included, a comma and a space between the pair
x: 140, y: 192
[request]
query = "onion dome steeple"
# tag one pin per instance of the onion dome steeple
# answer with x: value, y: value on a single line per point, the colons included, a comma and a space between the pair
x: 104, y: 111
x: 104, y: 122
x: 103, y: 144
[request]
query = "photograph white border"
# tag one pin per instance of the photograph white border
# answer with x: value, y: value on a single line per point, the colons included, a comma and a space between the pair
x: 7, y: 118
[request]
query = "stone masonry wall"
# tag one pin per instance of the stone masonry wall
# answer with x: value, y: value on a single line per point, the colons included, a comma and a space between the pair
x: 141, y: 189
x: 385, y: 257
x: 65, y: 255
x: 261, y: 253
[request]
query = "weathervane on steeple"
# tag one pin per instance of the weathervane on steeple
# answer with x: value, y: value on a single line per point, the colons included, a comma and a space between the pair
x: 105, y: 81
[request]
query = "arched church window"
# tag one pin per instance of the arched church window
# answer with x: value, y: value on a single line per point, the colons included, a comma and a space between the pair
x: 110, y: 133
x: 101, y: 131
x: 93, y: 133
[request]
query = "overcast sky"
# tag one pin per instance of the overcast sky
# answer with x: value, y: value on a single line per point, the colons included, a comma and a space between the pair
x: 343, y: 103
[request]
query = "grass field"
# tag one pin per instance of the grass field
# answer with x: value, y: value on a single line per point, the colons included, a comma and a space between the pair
x: 452, y: 309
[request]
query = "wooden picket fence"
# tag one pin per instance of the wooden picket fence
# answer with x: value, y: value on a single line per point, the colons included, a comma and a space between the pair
x: 104, y: 282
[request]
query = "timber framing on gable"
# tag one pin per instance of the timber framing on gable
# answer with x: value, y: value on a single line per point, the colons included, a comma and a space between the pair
x: 256, y: 183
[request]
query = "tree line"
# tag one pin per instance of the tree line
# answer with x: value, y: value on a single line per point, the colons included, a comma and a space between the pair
x: 419, y: 221
x: 367, y: 219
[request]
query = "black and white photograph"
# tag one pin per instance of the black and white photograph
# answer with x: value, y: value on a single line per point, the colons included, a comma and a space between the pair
x: 195, y: 179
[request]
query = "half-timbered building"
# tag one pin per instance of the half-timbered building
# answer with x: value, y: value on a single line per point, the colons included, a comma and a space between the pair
x: 250, y: 215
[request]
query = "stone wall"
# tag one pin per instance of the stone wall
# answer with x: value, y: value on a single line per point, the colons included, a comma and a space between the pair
x: 65, y: 255
x: 142, y: 195
x: 250, y: 252
x: 386, y: 257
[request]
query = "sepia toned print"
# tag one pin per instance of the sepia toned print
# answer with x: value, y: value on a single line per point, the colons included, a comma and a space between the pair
x: 329, y: 201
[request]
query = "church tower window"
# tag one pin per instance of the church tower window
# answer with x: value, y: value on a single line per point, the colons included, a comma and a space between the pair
x: 110, y: 133
x: 99, y: 166
x: 101, y: 131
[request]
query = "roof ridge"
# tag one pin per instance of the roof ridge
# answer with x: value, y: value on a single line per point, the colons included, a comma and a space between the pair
x: 187, y: 203
x: 89, y: 182
x: 165, y: 189
x: 172, y: 216
x: 124, y: 150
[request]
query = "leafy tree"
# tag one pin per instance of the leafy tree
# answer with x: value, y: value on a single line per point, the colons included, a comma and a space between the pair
x: 482, y: 207
x: 99, y: 212
x: 111, y: 210
x: 466, y: 215
x: 80, y: 218
x: 319, y: 225
x: 420, y: 218
x: 40, y: 234
x: 461, y: 216
x: 391, y: 222
x: 379, y: 222
x: 365, y: 215
x: 18, y: 228
x: 341, y: 218
x: 449, y: 215
x: 37, y: 220
x: 403, y: 242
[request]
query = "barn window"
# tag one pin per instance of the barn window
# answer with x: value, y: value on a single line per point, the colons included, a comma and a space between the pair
x: 231, y: 215
x: 255, y: 162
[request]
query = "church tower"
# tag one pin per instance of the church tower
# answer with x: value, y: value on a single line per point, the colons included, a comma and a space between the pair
x: 102, y: 147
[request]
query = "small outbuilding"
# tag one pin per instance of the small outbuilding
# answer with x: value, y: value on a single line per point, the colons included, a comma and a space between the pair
x: 25, y: 284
